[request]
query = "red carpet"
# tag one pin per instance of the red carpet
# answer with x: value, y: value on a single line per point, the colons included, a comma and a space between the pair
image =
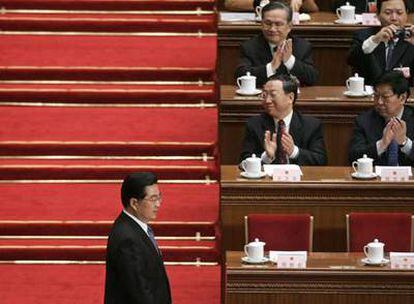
x: 108, y: 22
x: 69, y: 284
x: 99, y: 57
x: 101, y: 202
x: 108, y: 124
x: 109, y: 4
x: 108, y: 93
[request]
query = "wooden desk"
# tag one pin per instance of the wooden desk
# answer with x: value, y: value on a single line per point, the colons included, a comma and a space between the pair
x: 327, y: 193
x: 338, y: 278
x: 330, y: 42
x: 326, y: 103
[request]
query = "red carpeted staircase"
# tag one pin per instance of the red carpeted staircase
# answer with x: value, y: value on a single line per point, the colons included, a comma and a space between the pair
x: 91, y: 90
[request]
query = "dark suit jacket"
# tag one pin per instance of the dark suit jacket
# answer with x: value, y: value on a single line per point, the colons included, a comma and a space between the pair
x: 135, y: 272
x: 372, y: 66
x: 368, y: 129
x: 256, y: 53
x: 306, y: 132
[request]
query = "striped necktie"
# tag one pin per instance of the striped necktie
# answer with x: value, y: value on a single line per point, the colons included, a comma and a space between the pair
x: 152, y: 238
x: 392, y: 154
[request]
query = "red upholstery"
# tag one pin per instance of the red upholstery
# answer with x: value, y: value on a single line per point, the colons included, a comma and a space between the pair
x: 393, y: 229
x: 281, y: 231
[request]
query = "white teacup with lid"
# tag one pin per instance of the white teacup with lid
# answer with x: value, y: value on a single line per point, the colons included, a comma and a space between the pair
x: 374, y: 251
x: 346, y: 13
x: 252, y: 165
x: 259, y: 8
x: 363, y: 166
x: 255, y: 250
x: 355, y: 84
x: 247, y: 83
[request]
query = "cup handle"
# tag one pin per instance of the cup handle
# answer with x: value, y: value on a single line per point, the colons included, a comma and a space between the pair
x: 347, y: 84
x: 366, y: 250
x: 238, y: 82
x: 259, y: 11
x: 245, y: 250
x: 338, y: 13
x: 243, y: 165
x: 355, y: 166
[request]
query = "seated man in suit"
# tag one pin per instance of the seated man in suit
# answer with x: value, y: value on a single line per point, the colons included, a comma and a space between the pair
x: 282, y: 135
x: 377, y: 50
x: 272, y: 52
x: 385, y: 132
x: 306, y: 6
x: 135, y: 271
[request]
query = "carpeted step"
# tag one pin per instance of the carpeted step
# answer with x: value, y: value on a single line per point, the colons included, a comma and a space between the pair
x: 106, y: 131
x: 92, y: 203
x: 126, y: 5
x: 108, y: 92
x: 71, y: 283
x: 58, y: 56
x: 95, y: 250
x: 104, y: 169
x: 75, y: 22
x: 176, y: 230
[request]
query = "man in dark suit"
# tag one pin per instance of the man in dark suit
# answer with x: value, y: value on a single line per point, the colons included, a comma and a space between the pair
x: 282, y: 135
x: 388, y: 128
x: 272, y: 52
x: 375, y: 51
x: 135, y: 272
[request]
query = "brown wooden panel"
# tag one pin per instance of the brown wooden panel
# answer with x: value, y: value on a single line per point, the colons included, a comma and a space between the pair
x: 338, y: 278
x: 328, y: 193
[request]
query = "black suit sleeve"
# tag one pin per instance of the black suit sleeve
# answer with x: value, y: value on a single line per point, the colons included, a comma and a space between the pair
x: 366, y: 65
x: 246, y: 64
x: 303, y: 68
x: 251, y: 143
x: 360, y: 144
x: 130, y: 264
x: 313, y: 151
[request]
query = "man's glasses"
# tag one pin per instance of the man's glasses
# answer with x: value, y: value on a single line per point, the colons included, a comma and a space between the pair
x: 267, y: 24
x: 383, y: 97
x: 153, y: 199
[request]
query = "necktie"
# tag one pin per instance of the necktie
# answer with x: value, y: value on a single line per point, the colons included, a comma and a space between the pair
x: 152, y: 238
x: 280, y: 153
x: 390, y: 50
x: 392, y: 154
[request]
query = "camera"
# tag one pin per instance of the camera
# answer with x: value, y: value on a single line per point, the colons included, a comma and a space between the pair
x: 403, y: 33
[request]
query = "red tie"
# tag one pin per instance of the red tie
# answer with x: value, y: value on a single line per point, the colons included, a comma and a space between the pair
x: 280, y: 153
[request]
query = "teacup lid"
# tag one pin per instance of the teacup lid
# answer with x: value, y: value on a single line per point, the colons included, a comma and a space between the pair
x: 257, y: 243
x: 356, y: 77
x: 347, y: 6
x: 253, y: 157
x: 365, y: 159
x: 375, y: 243
x: 247, y: 76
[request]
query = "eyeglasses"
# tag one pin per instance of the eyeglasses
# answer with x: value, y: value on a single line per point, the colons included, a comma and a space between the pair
x: 383, y: 97
x: 269, y: 24
x: 153, y: 199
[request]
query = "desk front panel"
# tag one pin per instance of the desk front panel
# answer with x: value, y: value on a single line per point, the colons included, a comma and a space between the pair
x: 327, y: 193
x: 338, y: 278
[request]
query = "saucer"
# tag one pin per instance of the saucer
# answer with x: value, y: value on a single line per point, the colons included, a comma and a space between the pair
x: 366, y: 261
x: 339, y: 21
x: 248, y: 175
x: 356, y: 94
x: 247, y: 260
x: 255, y: 92
x: 359, y: 176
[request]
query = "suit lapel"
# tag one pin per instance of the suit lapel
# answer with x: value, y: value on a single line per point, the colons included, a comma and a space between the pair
x: 380, y: 53
x: 265, y: 49
x: 268, y: 124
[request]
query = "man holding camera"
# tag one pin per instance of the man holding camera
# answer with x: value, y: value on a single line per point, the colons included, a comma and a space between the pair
x: 375, y: 51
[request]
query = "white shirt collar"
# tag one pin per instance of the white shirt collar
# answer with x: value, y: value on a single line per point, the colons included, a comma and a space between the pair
x: 287, y: 119
x: 143, y: 225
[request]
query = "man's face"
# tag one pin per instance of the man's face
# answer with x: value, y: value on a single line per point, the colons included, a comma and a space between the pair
x: 387, y: 103
x: 393, y: 12
x: 146, y: 209
x: 275, y: 26
x: 275, y: 101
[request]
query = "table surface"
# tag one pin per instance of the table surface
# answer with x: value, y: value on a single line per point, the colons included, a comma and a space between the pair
x: 317, y: 261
